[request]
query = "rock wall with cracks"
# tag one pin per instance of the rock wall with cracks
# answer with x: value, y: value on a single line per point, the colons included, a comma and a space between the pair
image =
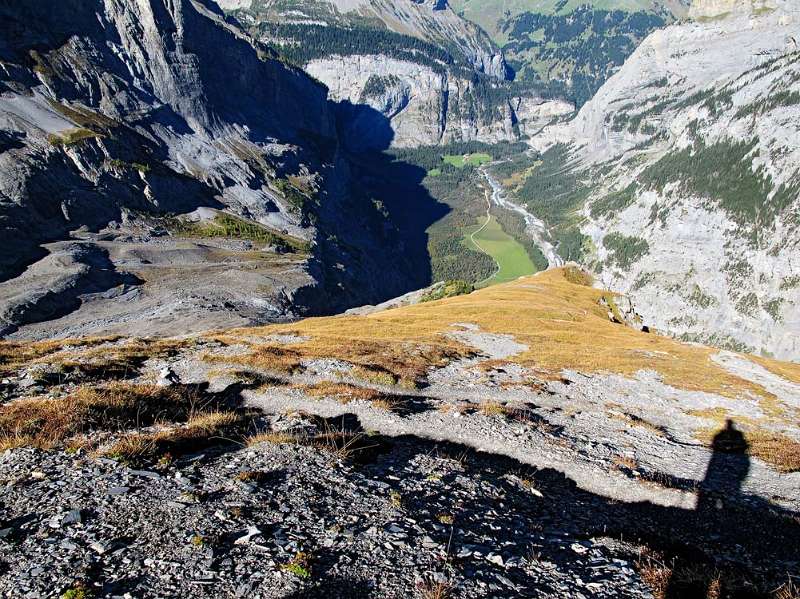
x: 112, y: 112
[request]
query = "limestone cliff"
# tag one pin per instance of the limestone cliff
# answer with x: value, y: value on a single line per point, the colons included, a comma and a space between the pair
x: 687, y: 160
x: 436, y: 77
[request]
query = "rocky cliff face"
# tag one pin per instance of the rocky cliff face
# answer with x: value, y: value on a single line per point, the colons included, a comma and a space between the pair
x: 689, y: 160
x: 426, y: 107
x: 436, y: 77
x: 117, y: 118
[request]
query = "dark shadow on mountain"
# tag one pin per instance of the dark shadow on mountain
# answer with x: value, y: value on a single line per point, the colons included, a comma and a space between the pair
x: 719, y: 495
x: 377, y: 228
x: 362, y: 129
x: 335, y: 587
x: 11, y: 140
x: 743, y: 547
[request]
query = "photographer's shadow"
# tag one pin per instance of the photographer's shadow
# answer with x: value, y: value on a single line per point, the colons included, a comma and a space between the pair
x: 721, y: 487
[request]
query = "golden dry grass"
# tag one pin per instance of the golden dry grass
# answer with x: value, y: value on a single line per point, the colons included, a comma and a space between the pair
x: 655, y: 574
x: 93, y: 357
x: 788, y: 590
x: 45, y: 423
x: 492, y: 408
x: 341, y: 392
x: 344, y: 393
x: 560, y: 321
x: 787, y: 370
x: 435, y: 590
x: 14, y: 354
x: 778, y: 450
x: 275, y: 438
x: 200, y: 431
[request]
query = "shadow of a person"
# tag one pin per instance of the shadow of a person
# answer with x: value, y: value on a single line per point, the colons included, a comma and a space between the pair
x: 726, y: 471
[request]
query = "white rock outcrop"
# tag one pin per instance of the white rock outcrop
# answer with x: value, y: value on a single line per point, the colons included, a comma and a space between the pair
x: 426, y: 107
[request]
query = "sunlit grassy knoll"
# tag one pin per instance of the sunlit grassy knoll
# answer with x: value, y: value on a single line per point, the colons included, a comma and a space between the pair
x: 561, y: 323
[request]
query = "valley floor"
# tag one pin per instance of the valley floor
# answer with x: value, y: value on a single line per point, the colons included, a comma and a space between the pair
x: 511, y: 259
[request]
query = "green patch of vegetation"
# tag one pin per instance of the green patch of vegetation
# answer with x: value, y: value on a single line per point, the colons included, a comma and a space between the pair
x: 625, y: 250
x: 614, y: 202
x: 718, y: 340
x: 377, y: 85
x: 85, y: 118
x: 747, y: 304
x: 514, y: 224
x: 773, y: 308
x: 300, y: 43
x: 791, y: 282
x: 643, y: 280
x: 554, y: 192
x: 78, y: 592
x: 511, y: 258
x: 121, y: 164
x: 460, y: 189
x: 71, y: 136
x: 701, y: 299
x: 572, y: 54
x: 476, y: 159
x: 774, y: 100
x: 298, y: 570
x: 449, y: 289
x: 234, y: 227
x: 298, y: 200
x: 723, y: 173
x: 718, y: 102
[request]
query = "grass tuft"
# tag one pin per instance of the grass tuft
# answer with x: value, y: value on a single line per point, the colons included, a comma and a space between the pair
x: 45, y: 423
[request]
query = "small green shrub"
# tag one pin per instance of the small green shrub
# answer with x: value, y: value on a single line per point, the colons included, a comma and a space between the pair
x: 297, y: 200
x: 300, y: 565
x: 449, y: 289
x: 79, y: 591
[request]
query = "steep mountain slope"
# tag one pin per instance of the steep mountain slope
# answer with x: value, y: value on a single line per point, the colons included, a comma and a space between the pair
x: 117, y: 118
x: 435, y: 76
x: 519, y: 440
x: 683, y: 178
x: 570, y: 47
x: 432, y: 22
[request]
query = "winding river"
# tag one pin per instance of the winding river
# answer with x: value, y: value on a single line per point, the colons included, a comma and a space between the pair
x: 535, y: 227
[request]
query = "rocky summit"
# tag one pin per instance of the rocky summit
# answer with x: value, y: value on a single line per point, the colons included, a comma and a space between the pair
x: 435, y: 299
